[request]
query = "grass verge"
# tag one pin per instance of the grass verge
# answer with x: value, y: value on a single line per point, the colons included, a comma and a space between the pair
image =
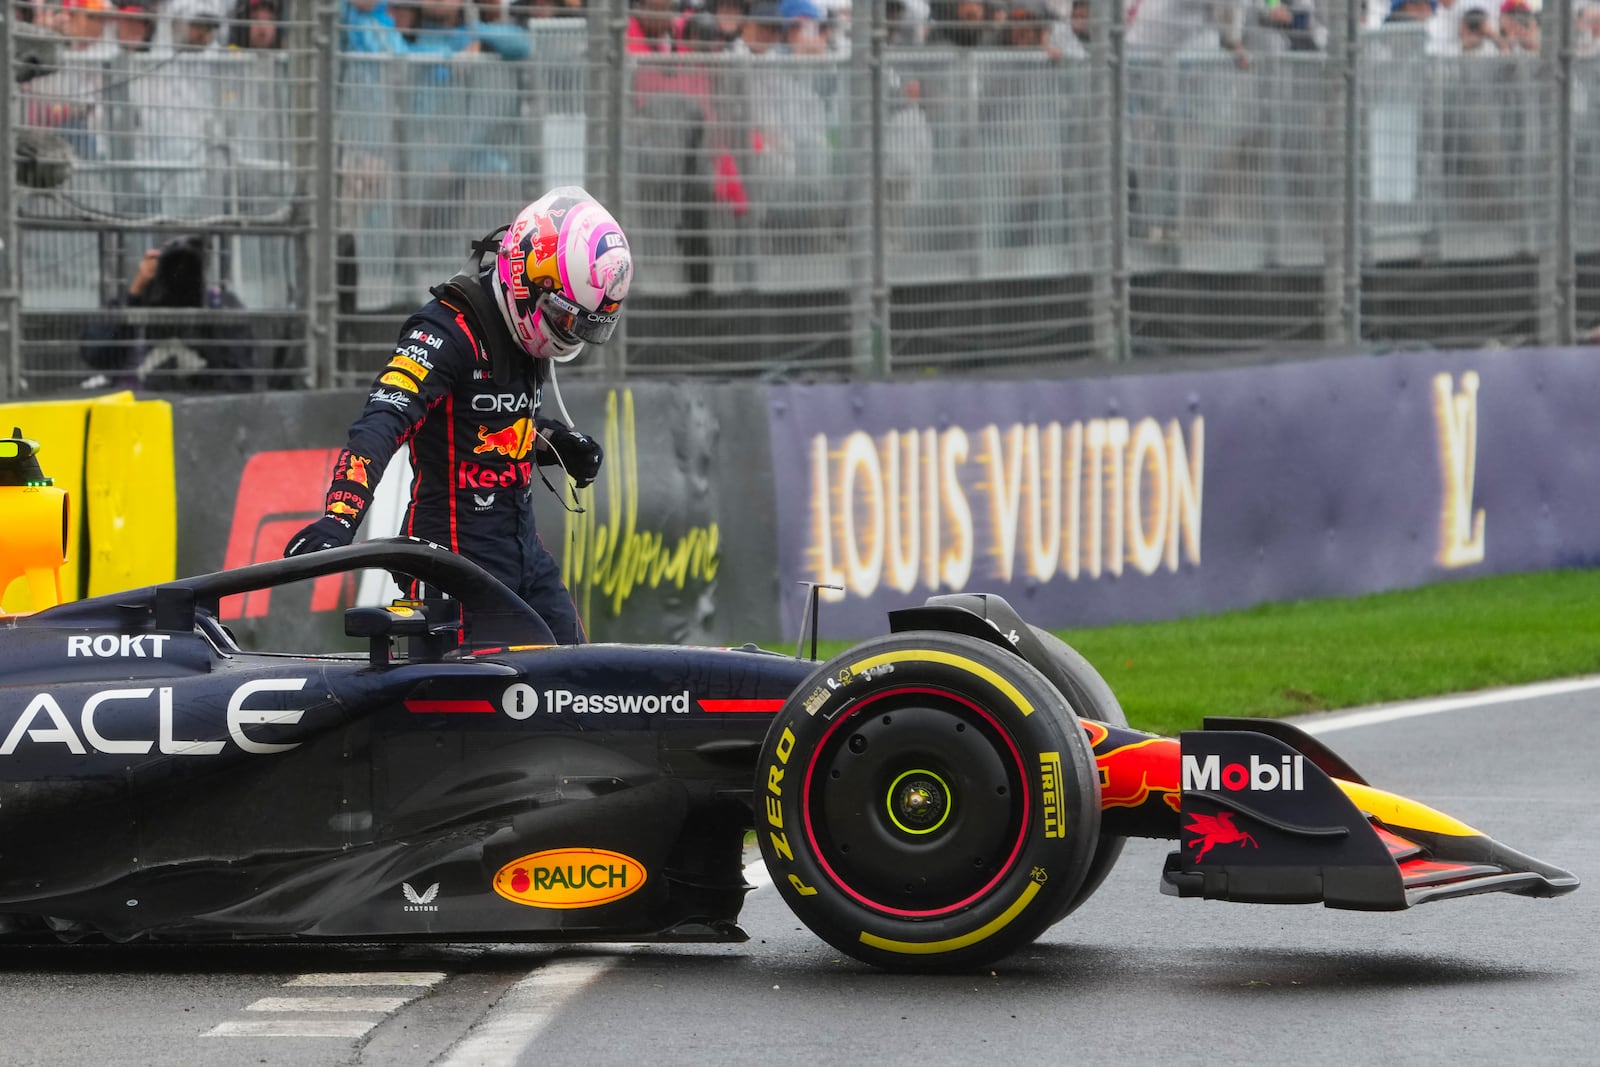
x: 1281, y: 659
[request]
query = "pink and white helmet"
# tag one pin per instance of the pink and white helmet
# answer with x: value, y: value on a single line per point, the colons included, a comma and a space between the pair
x: 561, y: 273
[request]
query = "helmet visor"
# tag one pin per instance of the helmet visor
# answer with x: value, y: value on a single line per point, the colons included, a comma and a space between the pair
x: 570, y: 322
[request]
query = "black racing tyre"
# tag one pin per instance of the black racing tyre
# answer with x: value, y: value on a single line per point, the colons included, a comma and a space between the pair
x: 1091, y: 698
x: 927, y: 801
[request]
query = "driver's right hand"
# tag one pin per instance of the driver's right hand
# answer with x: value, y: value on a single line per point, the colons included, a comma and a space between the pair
x: 330, y: 531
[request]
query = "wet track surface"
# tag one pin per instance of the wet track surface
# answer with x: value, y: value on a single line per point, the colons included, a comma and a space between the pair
x: 1131, y: 977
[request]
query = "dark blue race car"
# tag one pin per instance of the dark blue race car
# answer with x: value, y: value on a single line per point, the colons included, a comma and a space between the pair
x: 933, y: 798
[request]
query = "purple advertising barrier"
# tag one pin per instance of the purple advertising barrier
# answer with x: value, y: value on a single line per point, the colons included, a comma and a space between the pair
x: 1091, y: 501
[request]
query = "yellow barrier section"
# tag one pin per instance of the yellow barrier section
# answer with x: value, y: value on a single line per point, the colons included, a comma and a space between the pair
x: 131, y: 500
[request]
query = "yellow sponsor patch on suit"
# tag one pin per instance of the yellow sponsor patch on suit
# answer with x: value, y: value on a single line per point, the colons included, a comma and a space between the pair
x: 410, y: 366
x: 399, y: 381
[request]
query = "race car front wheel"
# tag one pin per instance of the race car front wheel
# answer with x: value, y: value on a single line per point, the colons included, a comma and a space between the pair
x: 1091, y: 698
x: 927, y: 801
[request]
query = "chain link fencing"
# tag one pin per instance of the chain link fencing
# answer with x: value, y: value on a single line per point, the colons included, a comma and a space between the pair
x: 912, y: 198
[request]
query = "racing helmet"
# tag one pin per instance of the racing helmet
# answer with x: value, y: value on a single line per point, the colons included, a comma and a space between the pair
x: 561, y: 273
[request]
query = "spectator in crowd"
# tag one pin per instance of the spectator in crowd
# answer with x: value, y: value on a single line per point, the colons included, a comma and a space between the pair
x: 195, y: 24
x: 700, y: 35
x: 1287, y: 25
x: 1167, y: 27
x: 803, y: 27
x: 964, y: 23
x: 67, y: 99
x: 84, y: 22
x: 1586, y: 28
x: 728, y: 17
x: 136, y: 26
x: 256, y: 25
x: 369, y: 27
x: 500, y: 11
x: 762, y: 32
x: 651, y: 28
x: 908, y: 22
x: 1519, y: 27
x: 1079, y: 20
x: 1030, y: 24
x: 1410, y: 11
x: 407, y: 15
x: 200, y: 355
x: 1476, y: 33
x: 443, y: 27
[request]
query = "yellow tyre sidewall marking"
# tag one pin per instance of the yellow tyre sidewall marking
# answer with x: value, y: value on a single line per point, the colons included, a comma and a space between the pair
x: 923, y: 655
x: 982, y: 933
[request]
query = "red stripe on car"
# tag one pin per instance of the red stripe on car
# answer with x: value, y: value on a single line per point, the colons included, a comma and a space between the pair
x: 765, y: 705
x: 449, y: 707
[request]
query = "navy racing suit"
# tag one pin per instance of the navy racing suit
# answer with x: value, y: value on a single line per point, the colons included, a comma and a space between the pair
x: 468, y: 409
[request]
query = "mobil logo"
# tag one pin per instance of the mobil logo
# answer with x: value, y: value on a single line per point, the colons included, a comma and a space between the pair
x: 1208, y: 773
x: 569, y: 878
x: 511, y: 441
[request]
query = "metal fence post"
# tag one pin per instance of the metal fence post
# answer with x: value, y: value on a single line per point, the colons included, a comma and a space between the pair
x: 10, y: 291
x: 608, y: 29
x: 322, y: 309
x: 1355, y: 151
x: 869, y: 312
x: 1109, y: 53
x: 1565, y: 291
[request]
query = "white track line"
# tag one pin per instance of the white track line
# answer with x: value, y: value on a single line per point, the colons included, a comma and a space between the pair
x: 293, y: 1028
x: 366, y: 978
x: 1391, y: 712
x: 416, y: 982
x: 519, y: 1016
x: 381, y: 1005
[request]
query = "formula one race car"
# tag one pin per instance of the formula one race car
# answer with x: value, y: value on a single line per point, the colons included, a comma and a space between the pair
x: 933, y: 798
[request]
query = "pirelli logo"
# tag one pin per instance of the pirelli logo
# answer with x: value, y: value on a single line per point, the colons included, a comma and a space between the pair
x: 1052, y: 799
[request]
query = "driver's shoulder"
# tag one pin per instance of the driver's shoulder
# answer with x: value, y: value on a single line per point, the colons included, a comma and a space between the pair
x: 438, y: 332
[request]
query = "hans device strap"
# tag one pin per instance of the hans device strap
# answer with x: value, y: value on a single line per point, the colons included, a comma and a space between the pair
x: 466, y: 291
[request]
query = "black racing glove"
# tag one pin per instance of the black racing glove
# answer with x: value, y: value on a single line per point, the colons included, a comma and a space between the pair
x: 330, y: 531
x: 579, y: 453
x: 349, y: 496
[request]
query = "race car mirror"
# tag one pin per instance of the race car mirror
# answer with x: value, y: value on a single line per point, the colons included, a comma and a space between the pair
x: 420, y: 621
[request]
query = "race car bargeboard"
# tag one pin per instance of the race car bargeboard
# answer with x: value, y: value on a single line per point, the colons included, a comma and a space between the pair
x: 935, y: 798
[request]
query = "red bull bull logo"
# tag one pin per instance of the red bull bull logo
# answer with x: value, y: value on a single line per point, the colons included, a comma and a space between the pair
x: 1131, y: 774
x: 538, y: 268
x: 512, y: 441
x: 341, y: 508
x: 352, y: 468
x: 544, y: 244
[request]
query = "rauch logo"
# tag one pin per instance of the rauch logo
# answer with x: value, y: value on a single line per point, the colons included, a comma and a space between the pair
x: 569, y: 878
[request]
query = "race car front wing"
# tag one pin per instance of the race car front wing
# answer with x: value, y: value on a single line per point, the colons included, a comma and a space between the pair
x: 1267, y: 817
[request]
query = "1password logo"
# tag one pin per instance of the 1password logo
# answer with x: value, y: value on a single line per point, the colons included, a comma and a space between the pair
x: 520, y: 701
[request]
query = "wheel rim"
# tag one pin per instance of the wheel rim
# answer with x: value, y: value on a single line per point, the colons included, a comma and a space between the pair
x: 916, y: 802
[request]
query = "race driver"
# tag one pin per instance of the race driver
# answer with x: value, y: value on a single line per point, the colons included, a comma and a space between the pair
x: 463, y: 390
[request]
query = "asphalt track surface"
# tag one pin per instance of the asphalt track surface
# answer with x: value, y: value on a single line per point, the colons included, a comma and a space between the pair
x: 1132, y: 977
